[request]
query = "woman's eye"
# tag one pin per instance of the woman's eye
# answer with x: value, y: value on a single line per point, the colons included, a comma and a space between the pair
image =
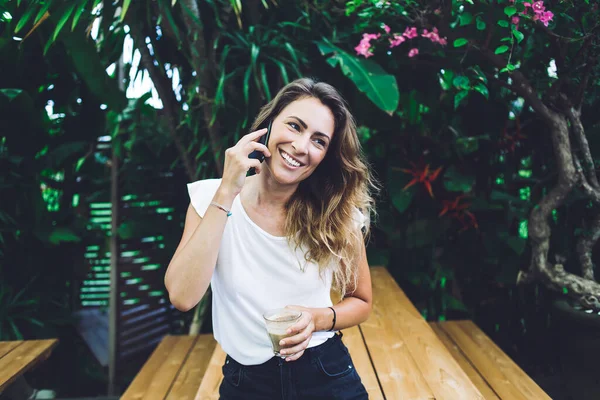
x: 294, y: 125
x: 321, y: 142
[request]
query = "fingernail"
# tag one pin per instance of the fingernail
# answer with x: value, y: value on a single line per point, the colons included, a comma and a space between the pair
x: 289, y: 331
x: 282, y: 343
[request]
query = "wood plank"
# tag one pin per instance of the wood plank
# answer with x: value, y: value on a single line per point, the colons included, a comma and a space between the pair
x: 485, y: 389
x: 209, y: 388
x: 353, y: 339
x: 395, y: 367
x: 22, y: 358
x: 439, y: 369
x: 7, y: 347
x: 358, y: 351
x: 158, y: 373
x: 507, y: 379
x: 188, y: 381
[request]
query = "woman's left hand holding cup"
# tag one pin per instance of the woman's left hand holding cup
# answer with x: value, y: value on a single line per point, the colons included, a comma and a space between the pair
x: 301, y: 332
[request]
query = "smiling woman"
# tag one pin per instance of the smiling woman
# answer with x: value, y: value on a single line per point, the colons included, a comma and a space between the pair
x: 283, y: 238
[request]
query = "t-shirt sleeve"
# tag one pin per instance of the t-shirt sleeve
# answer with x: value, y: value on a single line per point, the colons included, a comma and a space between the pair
x: 201, y: 194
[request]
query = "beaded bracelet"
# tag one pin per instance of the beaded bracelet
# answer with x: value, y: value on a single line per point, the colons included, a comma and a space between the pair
x: 221, y: 208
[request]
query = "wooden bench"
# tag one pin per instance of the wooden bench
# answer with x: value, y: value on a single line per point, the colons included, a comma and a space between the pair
x: 396, y: 352
x: 489, y: 368
x: 18, y: 357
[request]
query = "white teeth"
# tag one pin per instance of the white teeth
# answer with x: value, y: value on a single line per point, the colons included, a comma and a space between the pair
x: 290, y: 160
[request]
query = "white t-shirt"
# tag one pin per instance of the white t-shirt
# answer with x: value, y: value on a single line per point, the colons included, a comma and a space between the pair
x: 256, y: 271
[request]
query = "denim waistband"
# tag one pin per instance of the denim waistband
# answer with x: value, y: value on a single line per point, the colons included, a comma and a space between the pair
x: 310, y: 355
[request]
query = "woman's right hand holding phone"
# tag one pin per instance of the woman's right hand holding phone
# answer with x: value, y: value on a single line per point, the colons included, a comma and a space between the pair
x: 237, y: 162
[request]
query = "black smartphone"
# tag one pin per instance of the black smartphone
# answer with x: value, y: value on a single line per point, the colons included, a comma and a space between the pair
x: 259, y: 155
x: 264, y: 139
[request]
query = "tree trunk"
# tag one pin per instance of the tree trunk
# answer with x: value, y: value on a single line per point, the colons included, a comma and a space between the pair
x: 203, y: 63
x: 585, y: 244
x: 555, y: 277
x: 163, y: 87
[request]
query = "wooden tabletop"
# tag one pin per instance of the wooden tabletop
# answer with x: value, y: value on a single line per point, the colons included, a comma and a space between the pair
x: 397, y: 354
x: 18, y: 357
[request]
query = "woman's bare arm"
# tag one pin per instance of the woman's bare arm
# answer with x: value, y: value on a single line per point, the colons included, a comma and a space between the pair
x: 191, y: 268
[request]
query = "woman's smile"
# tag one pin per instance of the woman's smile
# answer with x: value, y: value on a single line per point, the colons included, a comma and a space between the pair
x: 290, y: 161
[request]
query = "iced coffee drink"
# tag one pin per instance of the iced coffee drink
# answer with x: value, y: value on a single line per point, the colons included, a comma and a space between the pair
x: 278, y: 321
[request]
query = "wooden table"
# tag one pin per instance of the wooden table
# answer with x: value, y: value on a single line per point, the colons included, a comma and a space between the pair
x: 18, y: 357
x: 397, y: 354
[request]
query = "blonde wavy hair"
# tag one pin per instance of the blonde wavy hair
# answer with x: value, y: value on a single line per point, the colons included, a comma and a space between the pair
x: 322, y: 213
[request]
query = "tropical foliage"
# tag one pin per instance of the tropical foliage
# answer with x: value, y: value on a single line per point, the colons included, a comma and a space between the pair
x: 478, y: 117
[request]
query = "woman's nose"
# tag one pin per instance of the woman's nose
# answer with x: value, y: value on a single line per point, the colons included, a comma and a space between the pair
x: 300, y: 145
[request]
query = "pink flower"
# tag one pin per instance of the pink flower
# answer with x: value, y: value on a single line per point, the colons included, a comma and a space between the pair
x: 410, y: 33
x: 397, y: 40
x: 434, y: 36
x: 413, y: 52
x: 386, y: 28
x: 515, y: 20
x: 546, y: 17
x: 364, y: 47
x: 369, y: 36
x: 527, y: 5
x: 538, y: 6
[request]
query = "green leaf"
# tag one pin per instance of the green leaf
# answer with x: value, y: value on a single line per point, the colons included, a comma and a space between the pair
x: 517, y: 244
x: 503, y: 196
x: 265, y: 82
x: 461, y: 82
x: 16, y: 99
x: 503, y: 23
x: 126, y: 4
x: 465, y: 18
x: 510, y: 11
x: 78, y: 13
x: 518, y: 34
x: 454, y: 181
x: 459, y: 97
x: 480, y: 75
x: 467, y: 145
x: 401, y: 198
x: 247, y: 84
x: 219, y: 94
x: 481, y: 88
x: 63, y: 234
x: 380, y: 87
x: 460, y: 42
x: 25, y: 18
x: 282, y: 69
x: 290, y: 49
x: 447, y: 77
x: 480, y: 24
x: 87, y: 62
x: 501, y: 49
x: 63, y: 20
x: 169, y: 15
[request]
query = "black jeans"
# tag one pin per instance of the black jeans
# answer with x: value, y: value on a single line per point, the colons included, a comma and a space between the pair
x: 323, y: 372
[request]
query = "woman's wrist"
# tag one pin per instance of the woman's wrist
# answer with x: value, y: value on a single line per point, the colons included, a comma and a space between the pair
x: 323, y: 318
x: 224, y: 196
